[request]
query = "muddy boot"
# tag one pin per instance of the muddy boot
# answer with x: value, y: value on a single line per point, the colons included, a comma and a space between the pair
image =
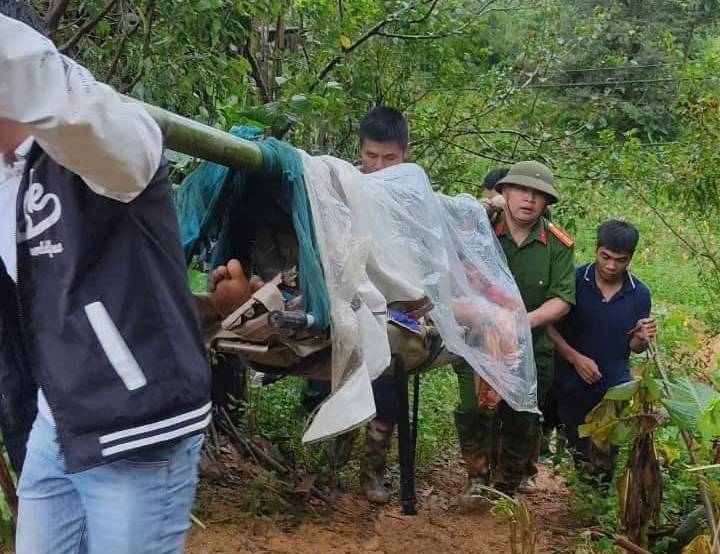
x: 343, y: 447
x: 521, y: 435
x: 372, y: 474
x: 475, y: 495
x: 528, y: 485
x: 476, y: 446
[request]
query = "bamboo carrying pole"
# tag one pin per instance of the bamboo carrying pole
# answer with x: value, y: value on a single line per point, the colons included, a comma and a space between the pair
x: 202, y: 141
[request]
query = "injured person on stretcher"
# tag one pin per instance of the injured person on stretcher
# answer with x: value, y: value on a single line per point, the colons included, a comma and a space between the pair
x: 488, y: 325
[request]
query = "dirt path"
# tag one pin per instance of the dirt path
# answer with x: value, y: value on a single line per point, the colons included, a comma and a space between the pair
x: 709, y: 352
x: 353, y: 526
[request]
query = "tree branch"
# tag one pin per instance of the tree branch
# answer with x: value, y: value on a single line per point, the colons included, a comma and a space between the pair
x: 374, y: 30
x: 475, y: 152
x: 426, y: 37
x: 630, y: 546
x: 529, y: 116
x: 377, y: 30
x: 118, y: 53
x: 691, y: 247
x: 444, y: 132
x: 256, y: 73
x: 426, y: 16
x: 149, y: 21
x: 54, y: 15
x: 434, y: 36
x: 88, y: 26
x: 527, y: 138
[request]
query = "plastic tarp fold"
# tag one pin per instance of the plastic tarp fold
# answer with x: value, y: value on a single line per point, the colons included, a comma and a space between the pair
x: 360, y: 348
x: 448, y: 246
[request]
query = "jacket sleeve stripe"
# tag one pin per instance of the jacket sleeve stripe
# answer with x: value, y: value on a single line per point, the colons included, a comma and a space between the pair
x: 154, y: 439
x: 115, y: 347
x: 165, y: 423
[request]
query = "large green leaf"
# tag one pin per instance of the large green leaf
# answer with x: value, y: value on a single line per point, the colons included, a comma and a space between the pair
x: 605, y: 424
x: 709, y: 421
x: 651, y: 386
x: 688, y: 402
x: 625, y: 391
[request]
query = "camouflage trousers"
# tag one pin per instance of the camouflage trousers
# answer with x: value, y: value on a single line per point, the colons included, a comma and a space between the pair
x: 379, y: 439
x: 498, y: 445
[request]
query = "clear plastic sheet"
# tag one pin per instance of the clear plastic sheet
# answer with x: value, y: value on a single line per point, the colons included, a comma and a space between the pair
x: 447, y: 246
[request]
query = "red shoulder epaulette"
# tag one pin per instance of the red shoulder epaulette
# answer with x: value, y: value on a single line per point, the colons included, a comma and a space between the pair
x: 561, y: 235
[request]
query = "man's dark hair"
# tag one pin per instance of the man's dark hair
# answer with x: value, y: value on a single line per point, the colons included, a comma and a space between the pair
x: 618, y: 236
x: 24, y: 13
x: 385, y: 124
x: 494, y: 176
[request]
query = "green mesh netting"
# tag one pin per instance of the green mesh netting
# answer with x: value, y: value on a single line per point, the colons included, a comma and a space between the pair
x: 218, y: 208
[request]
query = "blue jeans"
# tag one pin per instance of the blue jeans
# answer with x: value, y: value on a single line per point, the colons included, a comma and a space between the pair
x: 138, y: 505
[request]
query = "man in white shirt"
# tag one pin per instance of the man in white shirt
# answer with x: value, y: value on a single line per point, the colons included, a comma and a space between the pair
x: 95, y: 309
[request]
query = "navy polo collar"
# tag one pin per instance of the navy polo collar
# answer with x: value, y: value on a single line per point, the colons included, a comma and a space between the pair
x: 628, y: 282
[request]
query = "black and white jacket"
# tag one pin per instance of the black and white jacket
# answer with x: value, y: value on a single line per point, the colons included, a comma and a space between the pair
x: 100, y: 316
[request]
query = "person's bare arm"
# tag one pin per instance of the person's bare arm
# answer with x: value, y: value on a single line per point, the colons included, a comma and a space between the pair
x: 83, y: 125
x: 550, y: 311
x: 586, y: 368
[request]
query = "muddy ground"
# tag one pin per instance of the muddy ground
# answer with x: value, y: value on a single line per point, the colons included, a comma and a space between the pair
x: 351, y: 525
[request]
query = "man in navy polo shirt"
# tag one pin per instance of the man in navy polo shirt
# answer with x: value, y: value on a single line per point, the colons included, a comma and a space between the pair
x: 610, y: 318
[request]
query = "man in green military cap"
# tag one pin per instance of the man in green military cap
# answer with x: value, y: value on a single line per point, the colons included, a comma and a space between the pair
x: 540, y: 257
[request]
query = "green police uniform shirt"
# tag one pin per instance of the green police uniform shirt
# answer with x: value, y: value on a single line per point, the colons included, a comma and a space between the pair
x: 543, y: 267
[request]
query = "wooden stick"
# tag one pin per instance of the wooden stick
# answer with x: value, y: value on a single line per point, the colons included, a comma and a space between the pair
x: 264, y: 458
x: 248, y: 444
x: 197, y: 522
x: 630, y: 546
x: 88, y: 26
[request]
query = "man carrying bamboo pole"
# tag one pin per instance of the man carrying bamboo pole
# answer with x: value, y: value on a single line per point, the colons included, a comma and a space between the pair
x: 384, y: 142
x: 95, y: 310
